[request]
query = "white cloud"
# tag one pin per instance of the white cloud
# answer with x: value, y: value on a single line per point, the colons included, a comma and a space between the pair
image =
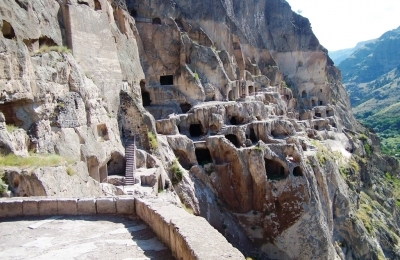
x: 340, y: 24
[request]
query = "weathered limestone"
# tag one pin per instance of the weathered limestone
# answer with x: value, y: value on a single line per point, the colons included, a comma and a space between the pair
x: 48, y: 207
x: 125, y: 205
x: 106, y: 206
x: 86, y: 206
x: 67, y: 206
x: 10, y: 208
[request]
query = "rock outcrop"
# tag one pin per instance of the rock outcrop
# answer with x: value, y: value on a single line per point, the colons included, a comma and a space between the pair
x: 234, y: 106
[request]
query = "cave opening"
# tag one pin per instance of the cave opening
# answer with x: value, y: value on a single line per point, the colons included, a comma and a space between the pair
x: 183, y: 159
x: 133, y: 12
x: 156, y: 20
x: 167, y: 80
x: 251, y: 90
x: 203, y: 156
x: 316, y: 127
x: 146, y: 98
x: 318, y: 114
x: 313, y: 103
x: 7, y: 30
x: 234, y: 120
x: 102, y: 132
x: 274, y: 170
x: 303, y: 94
x: 10, y: 115
x: 297, y: 171
x: 97, y: 5
x: 253, y: 136
x: 329, y: 113
x: 116, y: 165
x: 233, y: 139
x: 213, y: 129
x: 230, y: 96
x: 195, y: 130
x: 185, y: 107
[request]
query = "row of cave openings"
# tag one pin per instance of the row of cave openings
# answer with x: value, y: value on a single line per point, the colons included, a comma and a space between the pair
x: 273, y: 169
x: 314, y: 102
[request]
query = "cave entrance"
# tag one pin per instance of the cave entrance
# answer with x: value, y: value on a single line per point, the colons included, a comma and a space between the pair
x: 10, y: 115
x: 167, y: 80
x: 102, y: 132
x: 316, y: 127
x: 146, y: 98
x: 235, y: 120
x: 93, y: 168
x: 251, y: 90
x: 329, y: 113
x: 213, y: 129
x: 303, y: 94
x: 203, y: 156
x: 230, y: 96
x: 313, y: 103
x: 297, y: 171
x: 133, y: 12
x: 233, y: 139
x: 8, y: 30
x: 97, y: 5
x: 185, y: 107
x: 116, y: 165
x: 321, y: 103
x: 183, y: 159
x: 253, y: 136
x: 318, y: 114
x: 156, y: 20
x: 274, y: 170
x: 195, y: 130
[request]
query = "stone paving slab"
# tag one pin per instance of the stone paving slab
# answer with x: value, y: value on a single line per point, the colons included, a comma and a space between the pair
x: 79, y: 237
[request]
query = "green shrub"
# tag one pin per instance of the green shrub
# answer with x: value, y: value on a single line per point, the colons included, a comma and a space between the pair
x: 196, y: 76
x: 363, y: 137
x: 367, y: 149
x: 11, y: 128
x: 3, y: 187
x: 45, y: 48
x: 70, y: 171
x: 152, y: 141
x: 177, y: 173
x: 34, y: 160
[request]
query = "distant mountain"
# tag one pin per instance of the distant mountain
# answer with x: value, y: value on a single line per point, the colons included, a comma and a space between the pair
x: 372, y: 77
x: 341, y: 55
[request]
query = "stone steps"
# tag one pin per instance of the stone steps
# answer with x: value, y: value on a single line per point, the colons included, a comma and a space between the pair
x: 130, y: 162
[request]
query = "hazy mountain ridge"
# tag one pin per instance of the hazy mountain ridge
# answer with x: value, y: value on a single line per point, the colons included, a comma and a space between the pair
x: 372, y: 78
x: 340, y: 55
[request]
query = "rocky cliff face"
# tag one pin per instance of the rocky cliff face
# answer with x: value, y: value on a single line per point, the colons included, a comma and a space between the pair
x: 241, y: 93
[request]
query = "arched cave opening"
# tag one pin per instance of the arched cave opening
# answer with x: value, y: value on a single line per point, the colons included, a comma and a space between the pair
x: 274, y: 170
x: 183, y: 159
x: 318, y: 114
x: 203, y: 156
x: 195, y: 130
x: 156, y: 20
x: 102, y: 132
x: 321, y: 103
x: 230, y: 96
x: 133, y: 12
x: 316, y: 127
x: 167, y: 80
x: 303, y: 94
x: 11, y: 117
x: 251, y: 90
x: 313, y: 102
x: 46, y: 41
x: 146, y: 98
x: 97, y: 5
x: 234, y: 120
x: 7, y: 30
x: 185, y: 107
x: 297, y: 171
x: 253, y: 136
x: 116, y: 165
x: 287, y: 97
x: 333, y: 125
x: 233, y: 139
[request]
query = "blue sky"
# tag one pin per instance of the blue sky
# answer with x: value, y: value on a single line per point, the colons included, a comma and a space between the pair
x: 341, y: 24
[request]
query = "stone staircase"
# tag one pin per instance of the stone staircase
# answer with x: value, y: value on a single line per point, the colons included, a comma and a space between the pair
x: 130, y: 151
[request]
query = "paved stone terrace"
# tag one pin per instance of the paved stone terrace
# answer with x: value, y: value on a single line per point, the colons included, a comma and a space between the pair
x: 79, y: 237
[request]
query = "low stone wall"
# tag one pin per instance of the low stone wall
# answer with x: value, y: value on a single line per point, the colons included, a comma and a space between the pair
x: 188, y: 236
